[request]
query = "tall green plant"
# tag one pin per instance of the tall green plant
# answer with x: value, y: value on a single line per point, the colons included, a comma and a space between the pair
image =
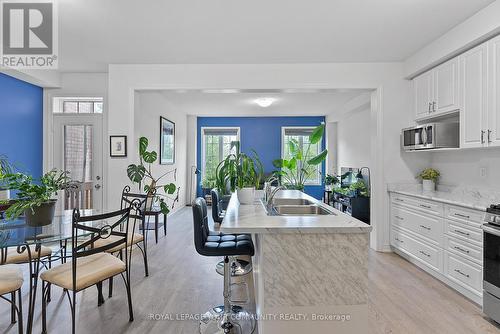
x: 295, y: 171
x: 142, y: 173
x: 238, y: 170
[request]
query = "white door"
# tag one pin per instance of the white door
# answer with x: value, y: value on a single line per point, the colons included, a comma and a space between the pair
x: 494, y: 107
x: 422, y: 88
x: 446, y: 87
x: 78, y: 149
x: 473, y: 108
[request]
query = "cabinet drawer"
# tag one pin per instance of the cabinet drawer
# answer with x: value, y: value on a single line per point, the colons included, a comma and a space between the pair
x: 463, y: 272
x: 465, y: 216
x: 428, y: 207
x: 464, y: 232
x: 430, y: 255
x: 427, y: 226
x: 464, y: 248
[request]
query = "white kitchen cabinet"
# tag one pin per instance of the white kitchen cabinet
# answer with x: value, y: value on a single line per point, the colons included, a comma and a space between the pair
x: 436, y: 92
x: 422, y: 88
x: 446, y: 90
x: 473, y: 92
x: 493, y: 135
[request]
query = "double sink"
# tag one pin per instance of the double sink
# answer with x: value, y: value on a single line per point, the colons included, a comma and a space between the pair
x: 295, y: 207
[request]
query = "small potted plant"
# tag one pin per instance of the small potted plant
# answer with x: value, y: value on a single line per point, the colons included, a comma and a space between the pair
x: 429, y: 178
x: 331, y: 181
x: 36, y: 200
x: 207, y: 184
x: 5, y: 169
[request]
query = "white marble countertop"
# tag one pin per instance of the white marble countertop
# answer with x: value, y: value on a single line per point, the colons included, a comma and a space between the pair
x: 468, y: 197
x: 253, y: 218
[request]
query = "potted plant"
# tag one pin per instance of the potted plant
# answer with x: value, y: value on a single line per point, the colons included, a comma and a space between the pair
x: 5, y: 168
x: 295, y: 171
x: 331, y: 180
x: 142, y: 173
x: 241, y: 173
x: 36, y: 200
x: 429, y: 178
x: 207, y: 184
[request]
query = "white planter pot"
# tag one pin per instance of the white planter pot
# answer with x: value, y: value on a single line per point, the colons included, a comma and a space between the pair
x: 4, y: 195
x: 259, y: 194
x: 246, y: 195
x: 428, y: 185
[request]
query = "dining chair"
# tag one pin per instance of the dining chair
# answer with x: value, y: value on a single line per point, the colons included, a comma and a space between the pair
x: 11, y: 281
x: 92, y: 265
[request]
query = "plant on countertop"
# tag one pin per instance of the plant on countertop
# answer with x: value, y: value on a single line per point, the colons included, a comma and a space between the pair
x: 239, y: 171
x: 208, y: 182
x: 142, y: 174
x: 295, y: 171
x: 429, y: 174
x: 30, y: 194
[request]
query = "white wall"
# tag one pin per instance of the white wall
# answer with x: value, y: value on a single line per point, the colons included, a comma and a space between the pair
x: 149, y: 106
x: 354, y: 140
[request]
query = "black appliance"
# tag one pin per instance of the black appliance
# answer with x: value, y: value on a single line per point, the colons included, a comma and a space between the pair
x: 491, y: 263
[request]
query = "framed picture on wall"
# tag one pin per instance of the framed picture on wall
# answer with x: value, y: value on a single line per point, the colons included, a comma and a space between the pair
x: 117, y: 146
x: 167, y: 142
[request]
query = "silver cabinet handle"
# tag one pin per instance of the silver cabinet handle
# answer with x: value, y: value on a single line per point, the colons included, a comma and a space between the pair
x: 425, y: 206
x: 397, y: 239
x: 424, y: 253
x: 461, y: 273
x: 398, y: 217
x: 430, y: 106
x: 482, y: 136
x: 489, y: 136
x: 97, y: 186
x: 433, y: 106
x: 426, y: 227
x: 461, y: 215
x: 399, y: 199
x: 462, y: 233
x: 461, y: 249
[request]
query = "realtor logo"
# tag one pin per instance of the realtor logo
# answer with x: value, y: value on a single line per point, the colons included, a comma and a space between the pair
x: 28, y: 34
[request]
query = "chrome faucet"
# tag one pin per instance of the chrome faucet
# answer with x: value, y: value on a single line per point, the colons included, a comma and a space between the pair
x: 268, y: 187
x: 269, y: 199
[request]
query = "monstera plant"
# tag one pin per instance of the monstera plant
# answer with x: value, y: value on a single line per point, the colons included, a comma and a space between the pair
x: 142, y: 173
x: 295, y: 171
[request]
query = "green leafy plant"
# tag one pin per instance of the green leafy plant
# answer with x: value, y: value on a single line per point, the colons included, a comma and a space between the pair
x: 31, y: 194
x: 295, y: 171
x: 208, y: 182
x: 331, y: 179
x: 6, y: 168
x: 359, y: 187
x: 142, y: 174
x: 239, y: 170
x: 429, y: 174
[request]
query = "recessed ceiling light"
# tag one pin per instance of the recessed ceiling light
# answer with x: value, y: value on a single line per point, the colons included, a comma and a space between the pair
x: 264, y: 102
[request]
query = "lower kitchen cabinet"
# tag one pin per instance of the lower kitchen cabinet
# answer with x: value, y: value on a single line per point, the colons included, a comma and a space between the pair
x: 445, y: 241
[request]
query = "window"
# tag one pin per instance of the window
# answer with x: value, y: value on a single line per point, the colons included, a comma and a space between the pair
x: 301, y: 136
x: 216, y: 146
x: 78, y: 105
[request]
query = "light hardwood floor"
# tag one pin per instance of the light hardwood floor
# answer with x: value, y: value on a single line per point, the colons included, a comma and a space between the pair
x: 403, y: 298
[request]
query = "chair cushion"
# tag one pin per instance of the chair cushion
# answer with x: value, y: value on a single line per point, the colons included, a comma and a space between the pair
x: 229, y: 248
x: 14, y: 257
x: 11, y: 278
x: 90, y: 270
x: 132, y: 240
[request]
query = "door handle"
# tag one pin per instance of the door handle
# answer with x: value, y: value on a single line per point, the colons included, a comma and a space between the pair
x: 97, y: 186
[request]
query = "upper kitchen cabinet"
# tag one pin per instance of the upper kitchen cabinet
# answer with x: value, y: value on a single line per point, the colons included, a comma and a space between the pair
x: 493, y: 129
x: 436, y: 92
x: 474, y: 93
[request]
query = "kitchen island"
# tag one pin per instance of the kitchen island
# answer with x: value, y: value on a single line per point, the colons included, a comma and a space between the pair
x: 310, y: 271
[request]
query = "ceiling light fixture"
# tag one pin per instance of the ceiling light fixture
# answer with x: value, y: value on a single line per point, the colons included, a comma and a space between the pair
x: 264, y: 102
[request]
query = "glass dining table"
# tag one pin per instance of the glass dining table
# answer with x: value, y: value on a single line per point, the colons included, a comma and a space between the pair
x: 16, y: 234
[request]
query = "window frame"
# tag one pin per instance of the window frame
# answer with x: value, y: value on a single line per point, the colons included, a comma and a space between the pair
x: 59, y: 101
x: 318, y: 181
x: 203, y: 143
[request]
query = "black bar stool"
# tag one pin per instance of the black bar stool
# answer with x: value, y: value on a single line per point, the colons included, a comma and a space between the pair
x: 239, y: 267
x: 225, y: 319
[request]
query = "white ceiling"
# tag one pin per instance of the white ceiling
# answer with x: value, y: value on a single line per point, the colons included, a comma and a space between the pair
x: 319, y: 103
x: 95, y: 33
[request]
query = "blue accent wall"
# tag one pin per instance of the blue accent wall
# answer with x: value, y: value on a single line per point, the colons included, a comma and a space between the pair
x: 263, y: 134
x: 21, y: 124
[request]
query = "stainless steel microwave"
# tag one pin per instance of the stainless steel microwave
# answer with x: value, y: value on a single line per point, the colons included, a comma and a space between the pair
x: 431, y: 136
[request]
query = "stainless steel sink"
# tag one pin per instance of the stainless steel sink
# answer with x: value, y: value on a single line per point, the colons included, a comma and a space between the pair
x: 291, y: 201
x: 300, y: 210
